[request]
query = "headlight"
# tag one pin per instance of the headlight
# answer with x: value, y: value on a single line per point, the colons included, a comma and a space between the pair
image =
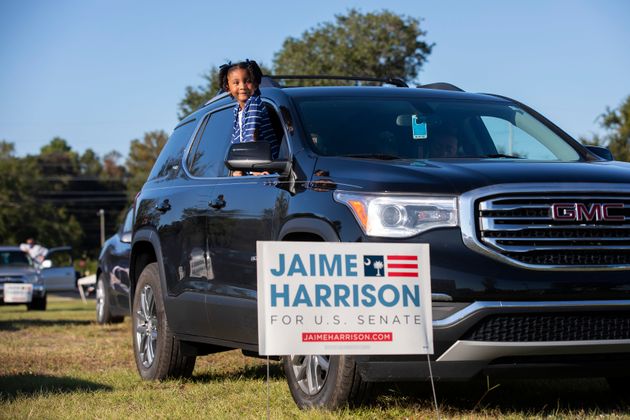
x: 31, y: 278
x: 399, y: 216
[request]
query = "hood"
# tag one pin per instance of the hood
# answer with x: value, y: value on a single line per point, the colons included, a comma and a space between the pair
x: 456, y: 176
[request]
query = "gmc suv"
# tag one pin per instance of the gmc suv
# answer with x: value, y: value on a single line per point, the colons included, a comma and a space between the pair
x: 529, y: 233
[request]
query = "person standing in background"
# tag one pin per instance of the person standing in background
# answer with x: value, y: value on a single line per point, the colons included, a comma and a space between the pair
x: 34, y: 250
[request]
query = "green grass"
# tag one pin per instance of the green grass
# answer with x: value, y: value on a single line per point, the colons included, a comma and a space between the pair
x: 61, y: 364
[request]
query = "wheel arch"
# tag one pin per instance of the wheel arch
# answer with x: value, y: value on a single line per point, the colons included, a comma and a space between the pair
x: 145, y: 249
x: 304, y: 229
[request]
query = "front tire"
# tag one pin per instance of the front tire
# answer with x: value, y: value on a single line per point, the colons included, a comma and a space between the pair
x: 328, y: 382
x: 157, y: 352
x: 103, y: 308
x: 38, y: 304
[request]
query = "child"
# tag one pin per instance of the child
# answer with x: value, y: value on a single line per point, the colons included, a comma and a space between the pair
x: 251, y: 119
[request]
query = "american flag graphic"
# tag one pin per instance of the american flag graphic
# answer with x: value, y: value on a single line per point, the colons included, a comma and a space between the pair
x: 402, y: 265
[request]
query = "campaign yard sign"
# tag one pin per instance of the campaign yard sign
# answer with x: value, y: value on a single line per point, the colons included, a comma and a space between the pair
x: 343, y: 298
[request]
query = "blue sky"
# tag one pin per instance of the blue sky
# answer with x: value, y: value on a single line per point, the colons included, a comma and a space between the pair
x: 101, y: 73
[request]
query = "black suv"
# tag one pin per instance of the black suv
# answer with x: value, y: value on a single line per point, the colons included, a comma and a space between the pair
x: 529, y: 233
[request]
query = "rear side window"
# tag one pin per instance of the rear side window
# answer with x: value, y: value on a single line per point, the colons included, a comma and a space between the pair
x: 207, y: 156
x: 170, y: 157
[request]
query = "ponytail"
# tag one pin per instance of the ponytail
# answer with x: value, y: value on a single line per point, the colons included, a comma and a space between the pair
x: 255, y: 73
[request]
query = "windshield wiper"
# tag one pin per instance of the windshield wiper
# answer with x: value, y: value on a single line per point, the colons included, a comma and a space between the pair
x: 501, y: 155
x: 381, y: 156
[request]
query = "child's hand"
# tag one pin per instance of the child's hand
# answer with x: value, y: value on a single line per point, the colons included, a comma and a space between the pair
x: 237, y: 173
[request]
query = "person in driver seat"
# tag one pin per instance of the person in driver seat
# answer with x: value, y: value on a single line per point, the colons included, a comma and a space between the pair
x: 443, y: 145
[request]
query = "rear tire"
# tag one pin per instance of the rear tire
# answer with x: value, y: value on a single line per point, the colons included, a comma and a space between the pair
x: 157, y: 352
x: 328, y: 382
x: 103, y: 303
x: 37, y: 304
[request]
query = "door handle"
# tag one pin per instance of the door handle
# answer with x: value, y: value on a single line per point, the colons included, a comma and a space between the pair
x: 218, y: 203
x: 164, y: 206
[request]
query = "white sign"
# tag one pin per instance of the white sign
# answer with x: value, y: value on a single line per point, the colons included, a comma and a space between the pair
x: 343, y: 298
x: 18, y: 292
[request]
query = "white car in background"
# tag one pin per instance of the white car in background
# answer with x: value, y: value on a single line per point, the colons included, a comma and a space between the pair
x: 20, y: 280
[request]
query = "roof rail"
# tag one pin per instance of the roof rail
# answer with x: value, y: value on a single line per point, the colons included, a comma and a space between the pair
x: 441, y: 86
x: 270, y: 81
x: 220, y: 95
x: 389, y: 80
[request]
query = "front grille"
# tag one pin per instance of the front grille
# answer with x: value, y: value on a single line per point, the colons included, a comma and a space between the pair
x: 587, y: 231
x: 11, y: 279
x: 552, y: 327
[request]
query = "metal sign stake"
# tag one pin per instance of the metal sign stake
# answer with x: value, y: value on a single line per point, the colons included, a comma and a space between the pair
x: 268, y: 393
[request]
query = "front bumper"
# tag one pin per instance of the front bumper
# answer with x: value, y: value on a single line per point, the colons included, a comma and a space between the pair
x: 461, y: 353
x: 39, y: 291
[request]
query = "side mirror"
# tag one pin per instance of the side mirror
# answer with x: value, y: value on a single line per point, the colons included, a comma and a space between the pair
x: 602, y: 152
x: 47, y: 264
x: 254, y: 156
x: 126, y: 237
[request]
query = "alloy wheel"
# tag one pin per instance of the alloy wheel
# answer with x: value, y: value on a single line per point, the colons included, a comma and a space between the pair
x: 146, y: 327
x: 100, y: 300
x: 310, y: 372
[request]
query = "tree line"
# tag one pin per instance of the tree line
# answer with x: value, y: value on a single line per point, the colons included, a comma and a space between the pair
x: 55, y: 195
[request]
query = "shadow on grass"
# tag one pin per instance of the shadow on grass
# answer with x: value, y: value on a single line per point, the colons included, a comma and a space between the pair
x: 72, y: 309
x: 18, y: 324
x: 250, y: 372
x: 510, y: 396
x: 12, y: 386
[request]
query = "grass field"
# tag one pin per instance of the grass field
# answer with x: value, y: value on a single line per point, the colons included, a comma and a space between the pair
x: 61, y: 364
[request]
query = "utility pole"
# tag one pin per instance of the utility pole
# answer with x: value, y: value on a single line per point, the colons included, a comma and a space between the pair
x: 101, y: 213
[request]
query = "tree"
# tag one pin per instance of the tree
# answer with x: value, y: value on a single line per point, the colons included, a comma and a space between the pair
x: 90, y: 164
x: 54, y: 196
x: 7, y: 149
x: 56, y: 145
x: 57, y: 158
x: 111, y: 169
x: 142, y: 155
x: 197, y: 96
x: 378, y: 265
x: 23, y: 214
x: 617, y: 124
x: 381, y: 44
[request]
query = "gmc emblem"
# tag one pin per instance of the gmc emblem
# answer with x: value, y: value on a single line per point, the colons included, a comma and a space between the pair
x: 580, y: 212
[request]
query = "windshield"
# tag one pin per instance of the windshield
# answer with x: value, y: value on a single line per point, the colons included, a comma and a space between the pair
x: 15, y: 258
x: 392, y: 128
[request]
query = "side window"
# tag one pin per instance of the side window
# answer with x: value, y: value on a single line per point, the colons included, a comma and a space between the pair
x: 276, y: 124
x: 170, y: 157
x: 207, y: 156
x: 60, y: 258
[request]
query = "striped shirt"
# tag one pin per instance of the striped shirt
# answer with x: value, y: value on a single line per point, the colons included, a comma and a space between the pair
x: 256, y: 125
